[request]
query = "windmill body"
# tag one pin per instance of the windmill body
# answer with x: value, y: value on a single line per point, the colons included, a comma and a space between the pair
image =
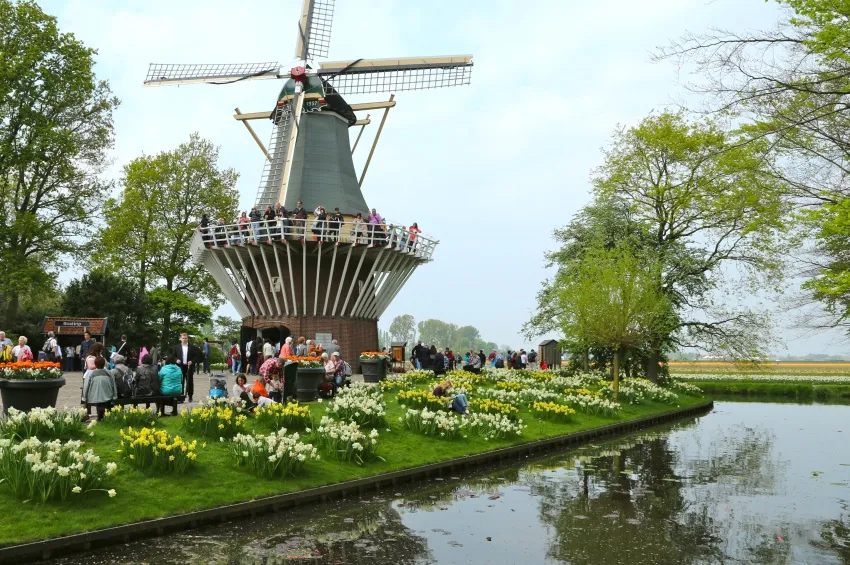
x: 314, y: 277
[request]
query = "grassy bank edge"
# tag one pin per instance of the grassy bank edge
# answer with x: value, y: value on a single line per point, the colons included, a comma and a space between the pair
x: 28, y: 522
x: 806, y: 391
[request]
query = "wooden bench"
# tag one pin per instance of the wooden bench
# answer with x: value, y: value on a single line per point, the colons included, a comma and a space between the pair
x: 172, y: 401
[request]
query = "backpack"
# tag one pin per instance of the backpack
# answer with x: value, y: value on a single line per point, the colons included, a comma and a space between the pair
x: 346, y: 369
x: 47, y: 347
x: 124, y: 382
x: 532, y: 356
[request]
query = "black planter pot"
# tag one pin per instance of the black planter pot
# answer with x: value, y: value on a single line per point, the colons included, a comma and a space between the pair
x: 24, y: 395
x: 374, y: 370
x: 307, y: 383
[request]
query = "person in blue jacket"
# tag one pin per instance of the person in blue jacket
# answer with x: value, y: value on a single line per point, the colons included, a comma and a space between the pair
x: 170, y: 380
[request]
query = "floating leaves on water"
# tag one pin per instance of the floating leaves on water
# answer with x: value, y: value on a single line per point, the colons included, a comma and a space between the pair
x: 817, y: 473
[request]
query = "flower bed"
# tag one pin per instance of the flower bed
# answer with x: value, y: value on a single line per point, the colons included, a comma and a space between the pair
x: 46, y: 423
x: 440, y: 424
x: 373, y: 355
x: 135, y: 416
x: 593, y: 405
x: 345, y: 441
x: 361, y: 403
x: 215, y: 418
x: 149, y: 448
x: 291, y: 416
x: 778, y: 378
x: 30, y: 370
x: 53, y: 470
x: 488, y: 406
x: 422, y: 399
x: 274, y: 455
x: 493, y: 426
x: 307, y: 361
x: 552, y: 411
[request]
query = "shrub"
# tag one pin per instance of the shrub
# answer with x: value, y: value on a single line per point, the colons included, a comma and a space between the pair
x: 291, y: 416
x: 51, y: 470
x: 133, y: 416
x: 148, y: 448
x: 45, y: 423
x: 276, y: 454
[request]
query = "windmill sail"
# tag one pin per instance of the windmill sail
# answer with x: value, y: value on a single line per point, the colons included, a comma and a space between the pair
x: 314, y: 29
x: 160, y: 74
x: 370, y: 76
x: 273, y: 172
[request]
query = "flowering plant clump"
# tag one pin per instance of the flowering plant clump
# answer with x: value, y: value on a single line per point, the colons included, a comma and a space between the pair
x: 51, y: 470
x: 465, y: 376
x: 133, y: 416
x: 509, y: 385
x: 529, y: 395
x: 592, y: 405
x: 274, y: 455
x: 419, y: 375
x: 422, y: 399
x: 214, y: 419
x: 552, y: 411
x: 373, y: 355
x: 440, y: 424
x: 149, y: 448
x: 396, y: 382
x: 489, y: 406
x: 291, y: 416
x: 685, y: 388
x: 30, y: 370
x: 345, y: 441
x: 307, y: 361
x: 493, y: 426
x: 636, y: 390
x: 46, y: 423
x: 361, y: 402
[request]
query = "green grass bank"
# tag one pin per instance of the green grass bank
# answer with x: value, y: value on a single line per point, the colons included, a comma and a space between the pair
x: 215, y: 481
x: 803, y: 391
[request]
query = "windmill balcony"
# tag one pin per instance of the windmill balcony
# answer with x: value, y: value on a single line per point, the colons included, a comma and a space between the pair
x: 394, y: 237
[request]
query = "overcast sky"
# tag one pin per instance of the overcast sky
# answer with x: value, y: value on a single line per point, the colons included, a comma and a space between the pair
x: 488, y: 169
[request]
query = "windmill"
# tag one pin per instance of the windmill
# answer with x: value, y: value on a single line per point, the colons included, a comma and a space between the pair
x: 292, y: 283
x: 310, y: 117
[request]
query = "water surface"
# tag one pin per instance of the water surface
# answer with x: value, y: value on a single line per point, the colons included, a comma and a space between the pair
x: 747, y: 483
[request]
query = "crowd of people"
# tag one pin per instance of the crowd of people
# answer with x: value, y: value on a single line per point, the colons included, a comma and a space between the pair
x: 440, y: 361
x: 276, y: 223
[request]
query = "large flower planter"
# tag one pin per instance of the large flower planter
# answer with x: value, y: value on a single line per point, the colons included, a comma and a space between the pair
x: 307, y: 383
x: 25, y: 395
x: 374, y: 370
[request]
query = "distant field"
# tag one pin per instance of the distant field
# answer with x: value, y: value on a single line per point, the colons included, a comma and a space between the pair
x: 726, y: 371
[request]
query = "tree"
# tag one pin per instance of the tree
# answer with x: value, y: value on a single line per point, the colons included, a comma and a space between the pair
x: 101, y: 294
x: 172, y: 313
x: 226, y: 329
x: 403, y: 328
x: 437, y: 332
x: 708, y: 203
x: 150, y: 226
x: 611, y: 298
x: 55, y: 131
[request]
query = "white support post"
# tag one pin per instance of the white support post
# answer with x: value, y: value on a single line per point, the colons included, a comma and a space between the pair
x: 393, y: 289
x: 367, y: 284
x: 392, y: 264
x: 397, y: 288
x: 330, y: 278
x: 237, y: 277
x: 244, y: 309
x: 259, y: 282
x: 342, y: 279
x: 371, y: 281
x: 269, y: 274
x: 304, y: 274
x: 291, y: 280
x: 318, y: 272
x: 280, y: 277
x: 353, y: 281
x: 396, y: 276
x: 247, y: 276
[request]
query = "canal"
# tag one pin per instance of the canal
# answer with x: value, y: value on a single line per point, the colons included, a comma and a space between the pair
x: 748, y: 483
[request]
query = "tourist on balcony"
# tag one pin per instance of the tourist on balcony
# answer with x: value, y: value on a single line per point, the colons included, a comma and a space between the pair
x: 268, y: 222
x: 255, y: 216
x: 319, y: 223
x: 334, y: 222
x: 373, y: 220
x: 411, y: 240
x: 359, y: 229
x: 300, y: 223
x: 282, y: 220
x: 220, y: 232
x: 244, y: 227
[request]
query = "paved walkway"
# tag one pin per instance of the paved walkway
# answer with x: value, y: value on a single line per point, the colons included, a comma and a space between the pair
x: 69, y: 395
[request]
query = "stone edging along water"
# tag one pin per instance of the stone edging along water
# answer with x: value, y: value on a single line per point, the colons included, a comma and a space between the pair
x: 123, y: 534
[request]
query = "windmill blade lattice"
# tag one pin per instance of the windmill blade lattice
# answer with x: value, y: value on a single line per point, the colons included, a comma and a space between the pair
x: 273, y: 171
x: 315, y: 29
x: 168, y: 74
x: 373, y: 76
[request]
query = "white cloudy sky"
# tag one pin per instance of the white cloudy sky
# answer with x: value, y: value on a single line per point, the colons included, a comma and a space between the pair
x: 488, y: 169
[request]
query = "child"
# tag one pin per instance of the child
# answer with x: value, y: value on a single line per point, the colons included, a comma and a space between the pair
x: 275, y: 387
x: 261, y: 401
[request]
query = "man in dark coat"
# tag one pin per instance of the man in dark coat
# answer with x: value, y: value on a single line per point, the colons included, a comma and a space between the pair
x: 187, y: 355
x: 414, y: 354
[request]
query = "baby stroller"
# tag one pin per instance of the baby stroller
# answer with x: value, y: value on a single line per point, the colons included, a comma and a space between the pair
x: 218, y: 386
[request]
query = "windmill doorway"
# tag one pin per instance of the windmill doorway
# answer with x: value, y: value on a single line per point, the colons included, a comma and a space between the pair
x: 276, y: 334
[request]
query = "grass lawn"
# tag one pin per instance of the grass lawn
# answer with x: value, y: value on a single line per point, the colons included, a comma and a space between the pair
x: 801, y: 390
x: 215, y: 481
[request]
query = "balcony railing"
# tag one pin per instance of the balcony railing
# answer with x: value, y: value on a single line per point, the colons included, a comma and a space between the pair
x: 325, y: 231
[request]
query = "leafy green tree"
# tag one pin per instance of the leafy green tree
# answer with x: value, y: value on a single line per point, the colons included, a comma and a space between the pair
x: 55, y: 132
x: 102, y: 294
x: 611, y: 298
x: 436, y: 332
x: 174, y: 312
x: 403, y: 328
x: 831, y: 282
x: 226, y: 329
x: 149, y: 228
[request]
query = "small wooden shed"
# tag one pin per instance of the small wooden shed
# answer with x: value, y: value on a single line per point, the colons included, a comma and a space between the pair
x: 549, y: 351
x: 397, y: 355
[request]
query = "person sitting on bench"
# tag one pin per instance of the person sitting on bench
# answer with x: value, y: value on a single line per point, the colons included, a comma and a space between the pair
x: 147, y: 380
x: 170, y: 381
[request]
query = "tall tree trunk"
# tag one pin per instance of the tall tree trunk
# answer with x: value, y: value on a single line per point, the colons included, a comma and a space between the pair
x: 585, y: 359
x: 652, y: 363
x: 616, y: 369
x: 12, y: 310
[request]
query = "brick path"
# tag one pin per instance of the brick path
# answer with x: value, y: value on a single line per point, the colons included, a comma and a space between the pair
x: 69, y: 395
